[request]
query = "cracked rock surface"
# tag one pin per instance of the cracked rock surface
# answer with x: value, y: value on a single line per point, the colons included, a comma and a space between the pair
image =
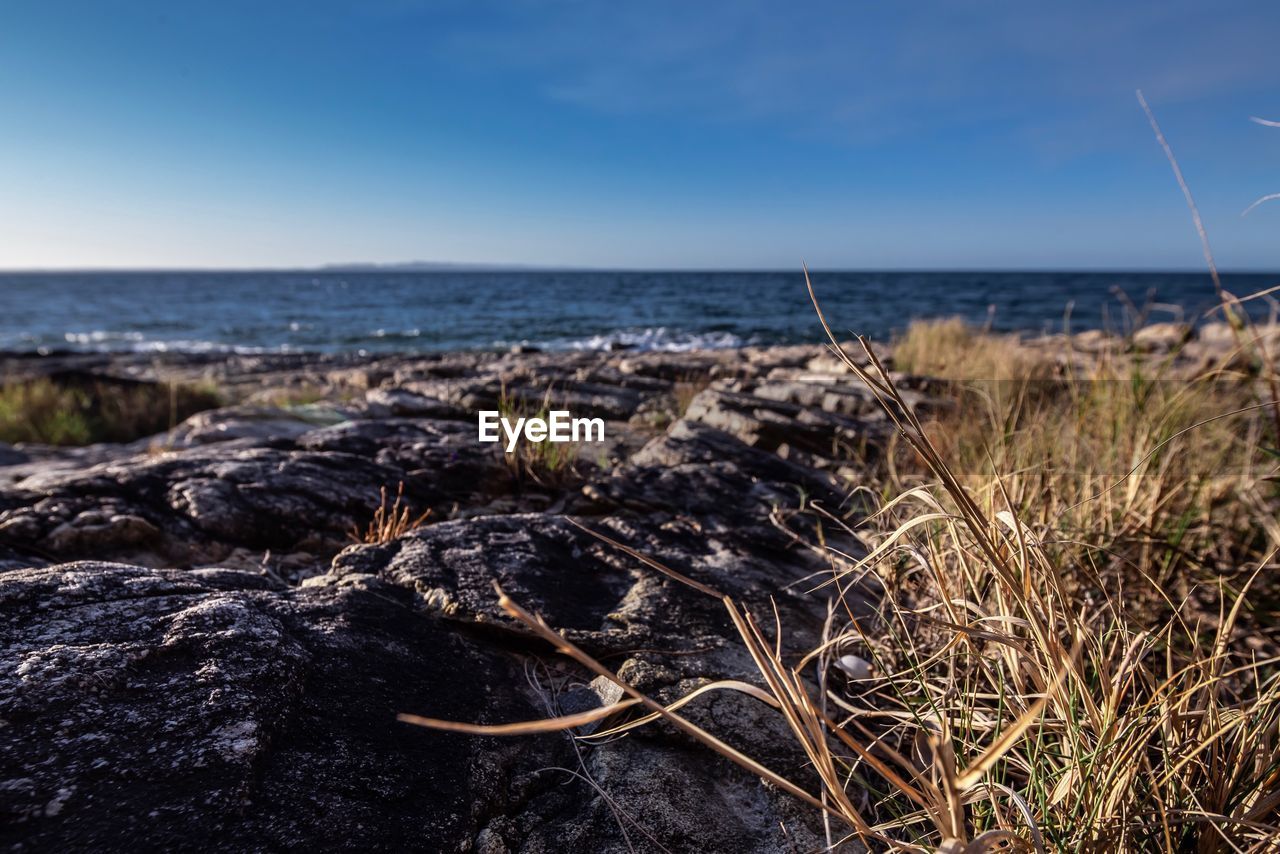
x: 194, y: 655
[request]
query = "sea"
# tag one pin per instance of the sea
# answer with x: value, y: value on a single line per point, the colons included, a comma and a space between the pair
x: 373, y: 311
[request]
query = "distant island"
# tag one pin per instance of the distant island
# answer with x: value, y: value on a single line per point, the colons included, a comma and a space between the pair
x: 433, y: 267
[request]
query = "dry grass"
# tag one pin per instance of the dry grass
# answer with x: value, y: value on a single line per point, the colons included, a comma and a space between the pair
x: 947, y: 349
x: 1065, y: 626
x: 390, y: 520
x: 547, y: 464
x: 687, y: 387
x: 85, y: 411
x: 304, y: 393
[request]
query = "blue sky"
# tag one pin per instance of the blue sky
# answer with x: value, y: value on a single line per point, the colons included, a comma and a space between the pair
x: 658, y: 134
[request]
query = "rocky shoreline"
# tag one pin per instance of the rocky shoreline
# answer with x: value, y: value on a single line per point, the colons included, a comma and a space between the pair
x: 196, y: 654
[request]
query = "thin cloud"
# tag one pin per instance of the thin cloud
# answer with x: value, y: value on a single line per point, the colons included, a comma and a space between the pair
x: 859, y: 72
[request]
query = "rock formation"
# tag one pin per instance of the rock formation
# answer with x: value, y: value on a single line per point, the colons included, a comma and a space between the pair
x: 195, y: 655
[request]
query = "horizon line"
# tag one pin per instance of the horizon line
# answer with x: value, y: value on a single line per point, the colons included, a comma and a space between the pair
x: 481, y: 267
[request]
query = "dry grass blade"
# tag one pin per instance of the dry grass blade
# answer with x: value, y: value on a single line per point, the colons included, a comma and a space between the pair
x: 648, y: 561
x: 1261, y: 200
x: 801, y: 715
x: 556, y: 724
x: 1237, y: 318
x: 720, y: 685
x: 564, y: 722
x: 1186, y: 192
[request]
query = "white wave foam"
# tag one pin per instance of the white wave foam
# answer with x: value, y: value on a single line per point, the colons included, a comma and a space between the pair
x: 102, y: 341
x: 652, y: 339
x: 101, y: 336
x: 182, y: 345
x: 660, y: 339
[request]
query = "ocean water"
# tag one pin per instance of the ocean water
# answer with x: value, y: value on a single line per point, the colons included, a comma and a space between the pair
x: 382, y: 311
